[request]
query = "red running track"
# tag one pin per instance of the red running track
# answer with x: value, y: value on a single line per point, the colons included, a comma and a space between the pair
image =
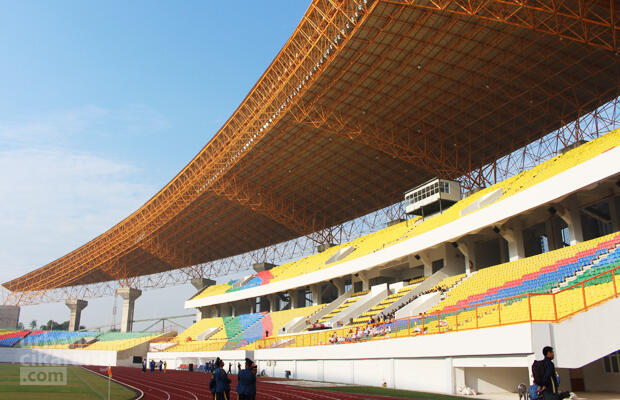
x: 183, y: 385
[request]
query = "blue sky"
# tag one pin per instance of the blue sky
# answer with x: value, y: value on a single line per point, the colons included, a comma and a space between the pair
x: 102, y: 104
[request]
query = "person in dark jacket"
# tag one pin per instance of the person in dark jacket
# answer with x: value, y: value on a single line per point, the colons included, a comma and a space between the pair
x: 246, y: 388
x: 222, y: 382
x: 550, y: 378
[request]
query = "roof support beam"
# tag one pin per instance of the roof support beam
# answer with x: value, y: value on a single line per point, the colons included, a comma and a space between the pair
x: 402, y: 144
x: 589, y: 22
x: 285, y: 211
x: 172, y: 256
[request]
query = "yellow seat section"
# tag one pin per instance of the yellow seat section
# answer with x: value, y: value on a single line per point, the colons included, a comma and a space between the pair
x: 198, y: 345
x: 405, y: 230
x: 281, y: 318
x: 201, y: 326
x: 123, y: 344
x: 496, y: 276
x: 213, y: 290
x: 418, y: 280
x: 304, y: 265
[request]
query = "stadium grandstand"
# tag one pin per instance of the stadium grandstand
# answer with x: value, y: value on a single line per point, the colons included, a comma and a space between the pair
x: 430, y: 108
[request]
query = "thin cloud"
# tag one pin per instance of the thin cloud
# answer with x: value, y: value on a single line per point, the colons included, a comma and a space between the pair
x: 60, y: 128
x: 55, y: 200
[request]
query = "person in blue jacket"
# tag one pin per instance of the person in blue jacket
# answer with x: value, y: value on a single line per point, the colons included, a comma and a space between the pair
x: 222, y: 382
x: 246, y: 388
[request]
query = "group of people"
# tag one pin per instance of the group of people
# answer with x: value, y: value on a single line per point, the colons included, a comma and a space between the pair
x: 359, y: 334
x: 317, y: 326
x: 211, y: 366
x: 161, y: 365
x: 219, y: 385
x: 383, y: 318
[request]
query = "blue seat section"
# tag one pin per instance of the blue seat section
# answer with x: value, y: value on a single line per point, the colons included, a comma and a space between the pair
x: 254, y: 282
x: 546, y: 281
x: 249, y: 319
x: 10, y: 342
x: 54, y: 337
x: 254, y: 331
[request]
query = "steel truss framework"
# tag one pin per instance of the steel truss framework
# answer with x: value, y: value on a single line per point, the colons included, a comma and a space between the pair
x: 587, y: 127
x: 365, y: 100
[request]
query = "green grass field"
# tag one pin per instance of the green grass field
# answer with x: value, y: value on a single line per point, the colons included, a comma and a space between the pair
x: 80, y: 385
x: 377, y: 391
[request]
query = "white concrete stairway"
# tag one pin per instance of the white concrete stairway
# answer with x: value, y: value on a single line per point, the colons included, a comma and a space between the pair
x: 299, y: 324
x: 366, y: 302
x: 208, y: 333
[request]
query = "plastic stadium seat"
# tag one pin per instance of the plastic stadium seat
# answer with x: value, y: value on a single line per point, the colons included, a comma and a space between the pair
x: 396, y: 233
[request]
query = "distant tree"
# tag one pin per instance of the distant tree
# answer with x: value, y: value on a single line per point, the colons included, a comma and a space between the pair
x: 33, y: 324
x: 52, y: 325
x: 20, y: 325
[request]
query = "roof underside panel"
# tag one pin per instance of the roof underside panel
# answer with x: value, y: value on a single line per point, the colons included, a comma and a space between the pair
x: 407, y: 92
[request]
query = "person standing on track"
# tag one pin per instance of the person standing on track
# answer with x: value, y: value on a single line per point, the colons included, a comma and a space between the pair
x: 222, y: 382
x: 165, y: 366
x: 246, y: 388
x: 144, y: 365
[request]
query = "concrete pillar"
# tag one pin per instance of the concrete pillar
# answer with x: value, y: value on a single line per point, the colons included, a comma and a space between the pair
x: 452, y: 260
x: 233, y: 310
x: 514, y: 237
x: 9, y: 317
x: 572, y: 217
x: 467, y: 248
x: 201, y: 283
x: 129, y: 296
x: 339, y: 284
x: 363, y: 276
x: 317, y: 293
x: 428, y: 264
x: 252, y: 303
x: 292, y: 295
x: 75, y: 306
x: 274, y: 303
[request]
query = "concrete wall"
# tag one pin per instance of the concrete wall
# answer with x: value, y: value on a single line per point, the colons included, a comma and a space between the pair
x: 495, y: 380
x: 596, y: 379
x: 58, y: 356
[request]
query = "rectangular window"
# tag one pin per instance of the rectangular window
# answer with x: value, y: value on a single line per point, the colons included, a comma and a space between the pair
x: 444, y: 187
